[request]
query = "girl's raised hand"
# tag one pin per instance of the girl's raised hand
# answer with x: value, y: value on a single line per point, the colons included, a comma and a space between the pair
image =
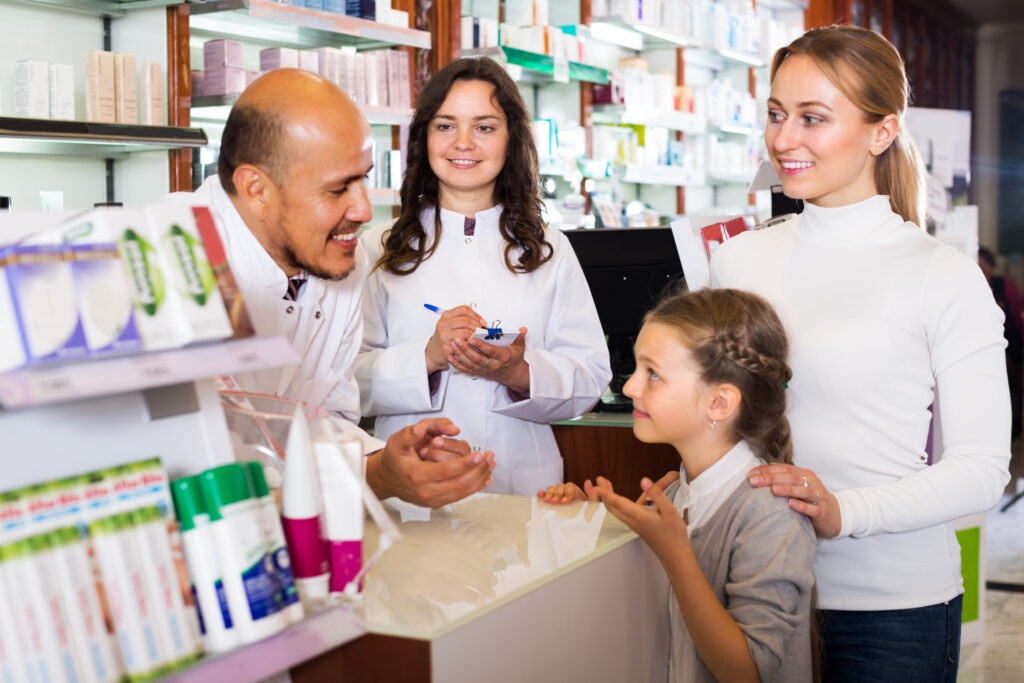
x: 663, y: 483
x: 662, y: 527
x: 567, y: 493
x: 455, y: 323
x: 807, y: 495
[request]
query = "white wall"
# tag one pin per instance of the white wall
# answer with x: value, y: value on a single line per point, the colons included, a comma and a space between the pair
x: 1000, y: 56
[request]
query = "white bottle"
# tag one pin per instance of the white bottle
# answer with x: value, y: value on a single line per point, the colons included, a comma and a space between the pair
x: 276, y: 548
x: 215, y: 623
x: 247, y: 573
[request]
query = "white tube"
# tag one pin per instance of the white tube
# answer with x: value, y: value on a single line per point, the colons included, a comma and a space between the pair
x: 13, y: 664
x: 301, y: 507
x: 343, y: 508
x: 26, y: 599
x: 126, y: 599
x: 88, y: 630
x: 174, y: 629
x: 74, y: 660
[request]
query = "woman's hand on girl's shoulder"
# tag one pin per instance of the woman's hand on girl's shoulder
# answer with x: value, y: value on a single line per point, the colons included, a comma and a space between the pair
x: 661, y: 526
x: 807, y: 495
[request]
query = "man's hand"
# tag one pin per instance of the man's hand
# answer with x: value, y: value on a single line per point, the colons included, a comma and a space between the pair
x: 419, y: 468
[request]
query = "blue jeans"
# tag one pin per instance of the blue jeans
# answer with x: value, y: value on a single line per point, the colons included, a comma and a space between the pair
x: 920, y: 645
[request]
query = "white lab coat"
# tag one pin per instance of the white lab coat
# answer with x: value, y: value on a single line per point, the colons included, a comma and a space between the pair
x: 324, y: 324
x: 565, y: 347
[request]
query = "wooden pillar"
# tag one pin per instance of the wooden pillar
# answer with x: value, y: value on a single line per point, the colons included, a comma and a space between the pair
x: 680, y: 81
x: 179, y: 93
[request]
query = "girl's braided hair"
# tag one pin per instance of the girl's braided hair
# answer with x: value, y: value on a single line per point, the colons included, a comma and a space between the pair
x: 737, y: 338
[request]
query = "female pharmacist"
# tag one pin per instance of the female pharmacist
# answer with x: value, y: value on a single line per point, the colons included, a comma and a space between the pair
x: 884, y: 321
x: 470, y: 243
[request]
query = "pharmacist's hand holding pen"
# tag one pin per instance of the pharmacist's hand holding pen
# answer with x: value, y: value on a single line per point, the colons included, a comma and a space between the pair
x: 502, y: 364
x: 452, y: 324
x: 408, y: 465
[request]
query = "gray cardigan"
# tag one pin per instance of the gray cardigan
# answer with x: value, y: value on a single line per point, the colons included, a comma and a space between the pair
x: 758, y: 556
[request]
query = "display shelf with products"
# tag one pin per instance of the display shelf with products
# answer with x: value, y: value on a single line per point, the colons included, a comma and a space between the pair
x: 215, y: 108
x: 684, y: 121
x: 90, y: 138
x: 278, y: 24
x: 107, y: 8
x: 539, y: 67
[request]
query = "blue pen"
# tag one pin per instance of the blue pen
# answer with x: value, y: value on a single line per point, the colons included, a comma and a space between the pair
x: 429, y: 307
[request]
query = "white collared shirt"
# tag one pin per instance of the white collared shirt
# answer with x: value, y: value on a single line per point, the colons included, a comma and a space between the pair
x: 324, y: 324
x: 706, y: 493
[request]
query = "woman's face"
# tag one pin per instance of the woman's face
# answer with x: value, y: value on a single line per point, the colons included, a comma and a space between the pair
x: 466, y: 141
x: 820, y: 143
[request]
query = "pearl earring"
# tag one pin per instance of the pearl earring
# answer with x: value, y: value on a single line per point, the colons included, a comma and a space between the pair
x: 711, y: 424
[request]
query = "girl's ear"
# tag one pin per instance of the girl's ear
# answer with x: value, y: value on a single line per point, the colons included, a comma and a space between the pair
x: 725, y: 402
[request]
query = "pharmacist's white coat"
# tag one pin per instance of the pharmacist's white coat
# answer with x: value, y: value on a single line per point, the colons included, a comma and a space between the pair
x: 565, y: 347
x: 324, y: 324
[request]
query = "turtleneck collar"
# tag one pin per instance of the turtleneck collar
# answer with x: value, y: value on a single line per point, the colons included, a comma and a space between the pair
x: 859, y: 223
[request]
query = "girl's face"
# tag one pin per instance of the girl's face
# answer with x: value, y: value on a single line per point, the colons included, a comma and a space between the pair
x: 466, y: 141
x: 820, y: 142
x: 670, y: 402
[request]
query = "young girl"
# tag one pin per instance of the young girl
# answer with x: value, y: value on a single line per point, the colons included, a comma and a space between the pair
x: 711, y: 380
x: 471, y: 243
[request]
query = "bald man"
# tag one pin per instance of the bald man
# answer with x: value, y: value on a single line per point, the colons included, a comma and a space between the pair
x: 289, y: 196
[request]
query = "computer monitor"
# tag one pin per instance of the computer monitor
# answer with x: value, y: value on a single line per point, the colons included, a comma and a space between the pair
x: 628, y: 271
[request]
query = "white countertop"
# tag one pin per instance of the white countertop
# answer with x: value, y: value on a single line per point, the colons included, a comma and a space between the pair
x: 463, y: 561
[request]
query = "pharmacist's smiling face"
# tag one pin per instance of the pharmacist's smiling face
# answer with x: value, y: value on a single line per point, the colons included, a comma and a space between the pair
x: 323, y: 201
x: 467, y: 140
x: 820, y: 142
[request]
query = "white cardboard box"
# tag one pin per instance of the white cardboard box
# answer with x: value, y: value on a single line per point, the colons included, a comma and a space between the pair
x: 31, y: 89
x: 99, y: 87
x: 126, y: 98
x: 62, y: 91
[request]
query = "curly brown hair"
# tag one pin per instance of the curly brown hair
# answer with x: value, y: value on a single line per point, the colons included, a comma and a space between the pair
x: 737, y: 338
x: 406, y: 245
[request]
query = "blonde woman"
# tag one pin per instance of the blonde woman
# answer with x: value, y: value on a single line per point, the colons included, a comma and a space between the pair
x: 884, y: 322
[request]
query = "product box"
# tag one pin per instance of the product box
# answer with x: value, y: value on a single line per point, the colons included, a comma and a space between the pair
x: 62, y: 92
x: 151, y: 104
x: 328, y: 61
x: 31, y: 89
x: 334, y: 6
x: 279, y: 58
x: 197, y: 79
x: 309, y: 60
x: 234, y: 304
x: 358, y: 87
x: 251, y: 76
x: 12, y: 349
x: 126, y: 101
x: 223, y: 53
x: 225, y: 81
x: 313, y: 4
x: 190, y: 277
x: 99, y: 87
x: 42, y: 294
x: 399, y: 18
x: 104, y: 304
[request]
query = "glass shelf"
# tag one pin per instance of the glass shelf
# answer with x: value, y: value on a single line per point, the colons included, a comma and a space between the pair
x: 90, y: 378
x: 277, y: 24
x: 313, y: 636
x: 108, y: 8
x: 717, y: 178
x: 90, y: 138
x: 678, y: 176
x: 686, y: 122
x: 734, y: 128
x: 540, y: 68
x: 215, y: 108
x: 652, y: 37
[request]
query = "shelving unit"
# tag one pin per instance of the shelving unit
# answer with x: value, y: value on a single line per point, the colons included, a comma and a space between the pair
x: 281, y: 25
x: 538, y: 68
x: 91, y: 139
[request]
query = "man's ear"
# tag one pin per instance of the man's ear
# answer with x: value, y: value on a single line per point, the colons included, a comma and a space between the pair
x: 725, y: 402
x: 255, y: 189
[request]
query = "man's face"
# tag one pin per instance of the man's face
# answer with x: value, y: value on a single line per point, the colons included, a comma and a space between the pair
x: 322, y: 202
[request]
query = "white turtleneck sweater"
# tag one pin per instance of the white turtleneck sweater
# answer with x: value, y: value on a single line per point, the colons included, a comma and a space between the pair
x: 883, y: 320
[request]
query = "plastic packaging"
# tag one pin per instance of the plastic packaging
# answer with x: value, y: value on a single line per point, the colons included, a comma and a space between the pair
x: 287, y: 595
x: 13, y: 662
x: 302, y: 506
x: 175, y: 627
x: 118, y: 555
x: 248, y: 583
x: 338, y: 463
x: 99, y: 662
x: 201, y: 556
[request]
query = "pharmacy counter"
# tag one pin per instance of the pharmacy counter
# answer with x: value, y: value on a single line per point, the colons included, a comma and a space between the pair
x: 507, y: 588
x: 603, y: 444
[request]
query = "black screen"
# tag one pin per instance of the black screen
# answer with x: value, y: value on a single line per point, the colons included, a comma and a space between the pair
x: 628, y: 271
